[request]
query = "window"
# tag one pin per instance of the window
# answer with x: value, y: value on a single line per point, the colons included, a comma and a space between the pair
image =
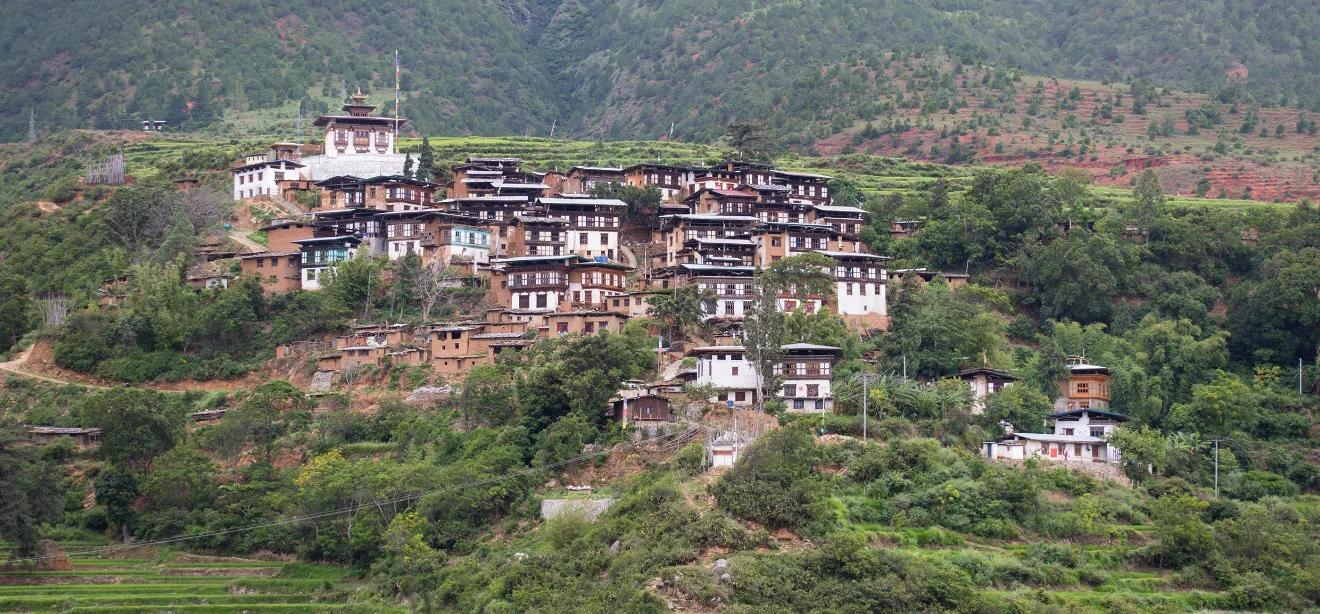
x: 790, y: 390
x: 582, y: 238
x: 1067, y: 431
x: 1097, y: 431
x: 813, y: 390
x: 799, y: 404
x: 740, y: 396
x: 735, y: 370
x: 1083, y: 388
x: 604, y: 238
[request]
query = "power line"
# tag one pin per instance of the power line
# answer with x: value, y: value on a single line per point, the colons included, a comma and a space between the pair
x: 343, y: 510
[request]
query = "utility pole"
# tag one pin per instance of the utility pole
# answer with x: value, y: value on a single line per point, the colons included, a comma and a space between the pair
x: 671, y: 131
x: 904, y: 367
x: 32, y: 125
x: 553, y: 123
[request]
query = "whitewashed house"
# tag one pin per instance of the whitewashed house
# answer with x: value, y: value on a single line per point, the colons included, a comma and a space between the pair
x: 1079, y: 435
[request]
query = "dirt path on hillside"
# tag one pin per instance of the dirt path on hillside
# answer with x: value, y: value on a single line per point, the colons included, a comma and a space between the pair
x: 42, y: 368
x: 18, y: 366
x: 241, y: 238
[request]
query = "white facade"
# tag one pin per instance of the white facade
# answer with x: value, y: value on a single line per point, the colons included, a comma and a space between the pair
x: 261, y: 178
x: 592, y: 243
x: 727, y: 368
x: 1077, y: 436
x: 397, y: 249
x: 861, y: 298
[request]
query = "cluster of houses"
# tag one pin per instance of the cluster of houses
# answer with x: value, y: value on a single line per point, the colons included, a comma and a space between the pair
x: 555, y: 260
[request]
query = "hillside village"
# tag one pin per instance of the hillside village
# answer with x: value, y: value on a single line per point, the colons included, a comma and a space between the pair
x: 553, y: 260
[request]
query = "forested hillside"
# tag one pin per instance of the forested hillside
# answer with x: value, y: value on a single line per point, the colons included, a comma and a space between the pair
x: 612, y: 68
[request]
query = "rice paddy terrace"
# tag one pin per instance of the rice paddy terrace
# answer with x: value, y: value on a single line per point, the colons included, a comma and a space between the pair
x: 162, y: 580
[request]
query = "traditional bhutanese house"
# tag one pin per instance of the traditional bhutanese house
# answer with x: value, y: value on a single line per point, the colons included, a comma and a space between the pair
x: 716, y: 201
x: 403, y: 233
x: 460, y: 240
x: 778, y: 240
x: 531, y: 282
x: 806, y: 371
x: 357, y: 131
x: 591, y: 284
x: 848, y: 221
x: 674, y: 231
x: 715, y: 178
x: 81, y: 436
x: 634, y: 304
x: 537, y: 235
x: 672, y: 181
x: 732, y: 285
x: 560, y: 323
x: 984, y: 382
x: 805, y: 187
x: 342, y: 192
x: 581, y: 179
x: 260, y: 179
x: 398, y: 193
x: 359, y: 222
x: 726, y: 368
x: 279, y: 272
x: 497, y: 214
x: 773, y: 204
x: 747, y: 172
x: 281, y: 234
x: 407, y: 356
x: 1087, y: 386
x: 640, y: 407
x: 592, y: 223
x: 861, y: 289
x: 1079, y: 435
x: 721, y: 252
x: 472, y: 180
x: 321, y: 254
x: 531, y: 188
x: 493, y: 344
x: 375, y: 334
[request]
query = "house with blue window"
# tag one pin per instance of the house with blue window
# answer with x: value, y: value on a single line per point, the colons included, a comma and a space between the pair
x: 319, y: 255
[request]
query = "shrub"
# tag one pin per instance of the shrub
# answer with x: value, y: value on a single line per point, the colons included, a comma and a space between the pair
x: 1254, y: 485
x: 774, y: 482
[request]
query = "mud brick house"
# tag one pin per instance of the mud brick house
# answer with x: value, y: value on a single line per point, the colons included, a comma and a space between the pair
x: 674, y: 231
x: 278, y: 271
x: 281, y: 234
x: 537, y: 235
x: 591, y: 284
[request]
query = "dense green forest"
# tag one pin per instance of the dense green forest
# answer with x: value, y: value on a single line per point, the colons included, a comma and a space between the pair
x: 611, y: 68
x: 1201, y: 308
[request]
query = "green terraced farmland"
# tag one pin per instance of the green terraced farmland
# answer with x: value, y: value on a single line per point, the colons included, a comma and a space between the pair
x: 178, y: 583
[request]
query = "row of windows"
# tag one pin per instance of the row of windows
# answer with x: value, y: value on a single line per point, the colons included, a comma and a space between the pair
x: 791, y: 390
x: 324, y: 255
x: 536, y: 279
x: 821, y: 368
x: 868, y: 272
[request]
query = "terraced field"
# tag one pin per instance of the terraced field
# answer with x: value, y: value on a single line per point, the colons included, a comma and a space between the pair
x: 145, y: 580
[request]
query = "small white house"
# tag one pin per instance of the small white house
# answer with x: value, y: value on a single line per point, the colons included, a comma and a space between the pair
x: 806, y: 370
x: 726, y: 367
x: 260, y: 176
x: 1079, y: 435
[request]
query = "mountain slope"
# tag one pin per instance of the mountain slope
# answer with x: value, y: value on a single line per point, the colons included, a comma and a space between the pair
x: 613, y: 68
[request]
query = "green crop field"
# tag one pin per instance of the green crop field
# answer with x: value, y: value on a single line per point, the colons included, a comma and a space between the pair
x: 174, y: 582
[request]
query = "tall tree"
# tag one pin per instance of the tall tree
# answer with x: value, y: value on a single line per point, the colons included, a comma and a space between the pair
x: 33, y: 491
x: 764, y: 330
x: 750, y: 141
x: 425, y: 161
x: 682, y: 309
x: 1147, y: 199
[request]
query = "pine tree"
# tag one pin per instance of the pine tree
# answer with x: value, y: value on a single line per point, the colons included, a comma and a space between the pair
x: 408, y: 166
x: 426, y: 161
